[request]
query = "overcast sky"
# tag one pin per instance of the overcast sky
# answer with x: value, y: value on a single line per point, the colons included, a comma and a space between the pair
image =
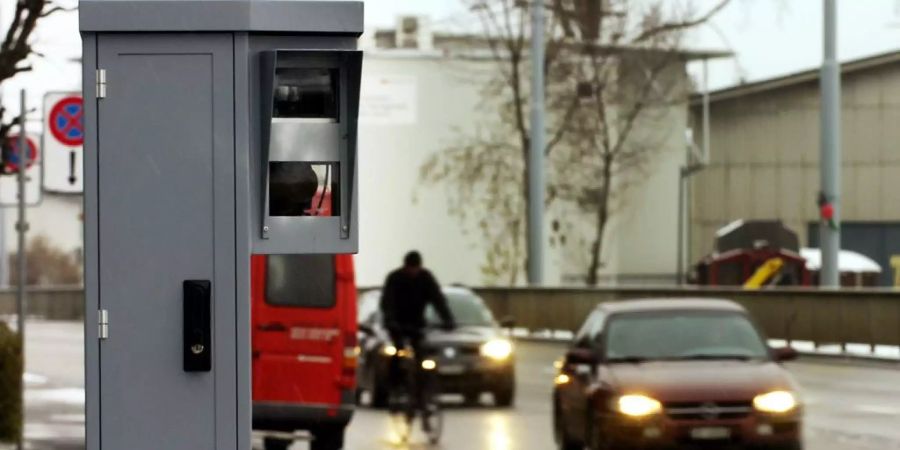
x: 769, y: 37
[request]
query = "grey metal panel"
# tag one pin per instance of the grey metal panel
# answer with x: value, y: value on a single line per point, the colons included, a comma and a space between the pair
x: 242, y: 237
x: 166, y: 179
x: 91, y: 247
x: 328, y: 17
x: 225, y: 357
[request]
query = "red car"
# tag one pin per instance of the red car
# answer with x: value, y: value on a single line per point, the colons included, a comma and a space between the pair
x: 304, y: 346
x: 655, y: 374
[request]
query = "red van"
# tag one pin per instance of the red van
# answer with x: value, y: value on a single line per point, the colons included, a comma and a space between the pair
x: 304, y: 346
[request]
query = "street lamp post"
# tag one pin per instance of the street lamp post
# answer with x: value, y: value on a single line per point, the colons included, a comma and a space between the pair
x: 829, y: 227
x: 536, y: 150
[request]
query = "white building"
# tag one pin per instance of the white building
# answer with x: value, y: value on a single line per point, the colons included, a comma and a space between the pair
x: 420, y: 92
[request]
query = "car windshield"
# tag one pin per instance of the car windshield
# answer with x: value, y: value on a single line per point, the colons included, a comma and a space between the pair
x: 467, y: 309
x: 683, y: 335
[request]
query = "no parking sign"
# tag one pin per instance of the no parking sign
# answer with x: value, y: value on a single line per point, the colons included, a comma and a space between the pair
x: 9, y: 184
x: 62, y: 143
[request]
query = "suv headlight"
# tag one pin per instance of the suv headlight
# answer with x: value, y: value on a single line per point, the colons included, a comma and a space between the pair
x: 636, y: 405
x: 497, y: 349
x: 775, y: 402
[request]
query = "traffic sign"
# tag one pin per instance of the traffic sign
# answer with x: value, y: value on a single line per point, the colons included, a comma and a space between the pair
x: 9, y: 185
x: 12, y: 163
x: 67, y: 121
x: 62, y: 142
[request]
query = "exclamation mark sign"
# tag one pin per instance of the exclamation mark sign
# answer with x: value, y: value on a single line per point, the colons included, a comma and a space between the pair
x: 72, y: 177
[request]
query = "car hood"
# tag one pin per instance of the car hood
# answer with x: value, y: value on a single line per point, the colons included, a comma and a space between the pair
x: 463, y: 335
x: 678, y: 381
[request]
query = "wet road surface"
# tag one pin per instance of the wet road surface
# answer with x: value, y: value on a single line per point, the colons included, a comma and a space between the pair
x: 850, y: 405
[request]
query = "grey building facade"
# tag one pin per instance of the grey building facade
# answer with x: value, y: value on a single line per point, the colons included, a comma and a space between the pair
x: 764, y: 159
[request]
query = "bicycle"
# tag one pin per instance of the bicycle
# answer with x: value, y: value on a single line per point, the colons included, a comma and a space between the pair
x: 417, y: 397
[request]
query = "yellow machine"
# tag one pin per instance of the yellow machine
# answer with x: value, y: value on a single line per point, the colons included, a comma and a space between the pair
x: 767, y: 271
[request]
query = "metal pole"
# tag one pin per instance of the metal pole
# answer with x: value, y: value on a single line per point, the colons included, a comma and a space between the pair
x: 830, y: 236
x: 706, y: 127
x: 536, y: 152
x: 4, y: 259
x: 681, y: 204
x: 21, y: 229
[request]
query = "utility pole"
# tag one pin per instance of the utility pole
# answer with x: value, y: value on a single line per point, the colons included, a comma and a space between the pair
x: 829, y: 228
x: 536, y: 151
x: 21, y: 228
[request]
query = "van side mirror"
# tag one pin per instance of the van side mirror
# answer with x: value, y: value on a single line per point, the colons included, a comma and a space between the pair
x: 366, y: 329
x: 783, y: 354
x: 508, y: 322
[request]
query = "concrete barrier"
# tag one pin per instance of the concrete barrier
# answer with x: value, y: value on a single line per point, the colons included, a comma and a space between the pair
x: 822, y: 317
x: 51, y: 303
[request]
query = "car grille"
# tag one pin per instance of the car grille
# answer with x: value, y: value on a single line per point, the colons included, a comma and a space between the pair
x: 444, y: 351
x: 708, y: 410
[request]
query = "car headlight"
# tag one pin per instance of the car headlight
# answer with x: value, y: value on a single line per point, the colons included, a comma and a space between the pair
x: 636, y: 405
x: 775, y: 402
x: 389, y: 350
x: 429, y: 364
x: 497, y: 349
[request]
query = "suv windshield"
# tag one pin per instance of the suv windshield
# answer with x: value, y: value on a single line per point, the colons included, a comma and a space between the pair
x: 467, y: 309
x: 682, y: 335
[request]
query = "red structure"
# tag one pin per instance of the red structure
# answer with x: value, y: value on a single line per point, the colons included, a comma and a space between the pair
x: 743, y: 247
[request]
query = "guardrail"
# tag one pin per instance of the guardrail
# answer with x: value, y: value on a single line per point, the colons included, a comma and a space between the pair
x: 840, y: 317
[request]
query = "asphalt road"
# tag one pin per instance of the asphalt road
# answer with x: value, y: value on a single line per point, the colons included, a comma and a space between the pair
x: 850, y: 405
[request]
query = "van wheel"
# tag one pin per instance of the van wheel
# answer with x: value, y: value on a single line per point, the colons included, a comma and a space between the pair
x: 331, y: 438
x: 276, y: 443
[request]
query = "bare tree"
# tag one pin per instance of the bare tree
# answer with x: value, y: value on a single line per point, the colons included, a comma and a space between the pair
x: 611, y: 69
x: 16, y: 48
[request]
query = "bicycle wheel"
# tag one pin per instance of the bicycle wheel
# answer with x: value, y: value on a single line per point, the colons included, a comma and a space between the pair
x: 402, y: 427
x: 433, y: 422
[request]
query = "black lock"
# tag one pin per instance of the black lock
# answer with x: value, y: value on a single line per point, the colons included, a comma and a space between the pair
x: 197, y: 347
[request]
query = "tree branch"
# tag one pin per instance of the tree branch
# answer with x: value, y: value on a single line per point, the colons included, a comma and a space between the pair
x: 669, y: 27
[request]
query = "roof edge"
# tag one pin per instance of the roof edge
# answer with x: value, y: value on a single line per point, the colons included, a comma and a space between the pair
x: 793, y: 79
x: 272, y: 16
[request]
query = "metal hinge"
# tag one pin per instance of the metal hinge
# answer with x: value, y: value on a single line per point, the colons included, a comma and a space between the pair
x: 103, y: 324
x: 101, y: 83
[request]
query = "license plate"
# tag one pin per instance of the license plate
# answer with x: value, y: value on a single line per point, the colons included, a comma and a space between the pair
x: 710, y: 433
x: 453, y: 369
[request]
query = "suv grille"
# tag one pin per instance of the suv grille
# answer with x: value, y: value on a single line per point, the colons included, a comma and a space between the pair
x: 708, y: 410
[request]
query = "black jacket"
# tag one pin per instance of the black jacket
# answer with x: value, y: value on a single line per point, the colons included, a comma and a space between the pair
x: 405, y: 298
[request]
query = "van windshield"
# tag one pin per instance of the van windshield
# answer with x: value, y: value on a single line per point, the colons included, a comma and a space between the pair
x: 305, y: 281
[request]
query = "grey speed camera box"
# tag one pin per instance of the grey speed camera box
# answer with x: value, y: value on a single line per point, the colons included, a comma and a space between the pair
x: 214, y: 130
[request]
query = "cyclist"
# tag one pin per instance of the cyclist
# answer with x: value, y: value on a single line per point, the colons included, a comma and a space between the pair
x: 407, y: 293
